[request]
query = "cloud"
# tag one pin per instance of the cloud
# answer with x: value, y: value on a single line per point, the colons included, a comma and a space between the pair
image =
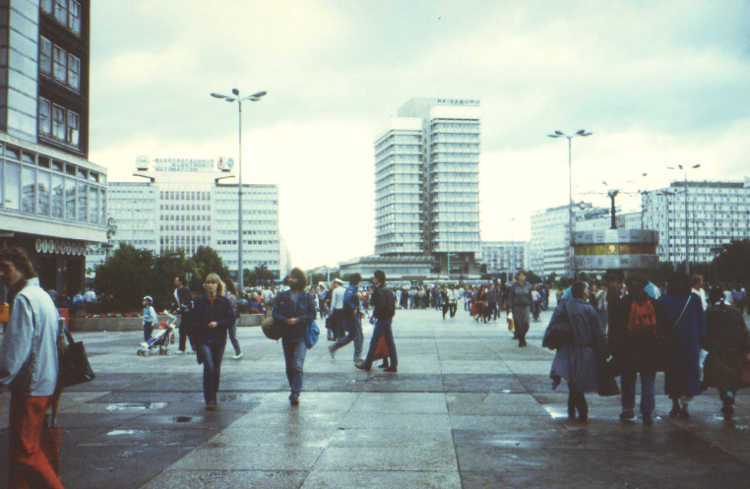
x: 655, y: 82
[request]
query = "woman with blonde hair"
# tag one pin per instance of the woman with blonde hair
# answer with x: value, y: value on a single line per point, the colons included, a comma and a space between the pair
x: 213, y: 317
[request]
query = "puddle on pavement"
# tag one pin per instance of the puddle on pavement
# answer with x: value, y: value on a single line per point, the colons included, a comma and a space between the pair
x: 504, y: 442
x: 506, y: 391
x: 125, y: 432
x: 135, y: 406
x: 555, y: 412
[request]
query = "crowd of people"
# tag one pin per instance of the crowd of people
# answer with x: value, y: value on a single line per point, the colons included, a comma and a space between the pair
x: 694, y: 333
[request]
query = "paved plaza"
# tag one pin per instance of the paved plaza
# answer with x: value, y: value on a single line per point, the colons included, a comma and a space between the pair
x: 467, y: 409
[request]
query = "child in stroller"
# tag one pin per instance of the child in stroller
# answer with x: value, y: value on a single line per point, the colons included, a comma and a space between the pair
x: 161, y: 337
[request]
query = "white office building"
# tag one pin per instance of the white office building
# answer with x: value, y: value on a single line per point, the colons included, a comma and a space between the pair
x: 184, y: 206
x: 503, y: 257
x: 427, y: 184
x: 549, y: 246
x: 717, y: 214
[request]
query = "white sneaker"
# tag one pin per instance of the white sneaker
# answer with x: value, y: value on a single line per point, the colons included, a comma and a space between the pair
x: 238, y: 356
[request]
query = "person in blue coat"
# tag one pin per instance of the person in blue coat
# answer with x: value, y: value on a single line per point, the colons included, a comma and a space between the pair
x: 295, y: 309
x: 684, y: 312
x: 577, y: 361
x: 213, y: 316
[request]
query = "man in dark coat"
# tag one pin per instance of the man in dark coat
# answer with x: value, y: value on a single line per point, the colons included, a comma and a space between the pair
x: 519, y: 304
x: 183, y: 305
x: 727, y: 343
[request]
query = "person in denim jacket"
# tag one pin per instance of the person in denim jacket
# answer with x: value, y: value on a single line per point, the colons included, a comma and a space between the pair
x: 295, y: 309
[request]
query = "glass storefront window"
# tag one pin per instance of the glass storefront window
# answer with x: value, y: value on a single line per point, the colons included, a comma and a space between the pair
x: 82, y: 202
x: 12, y: 180
x: 43, y: 186
x: 57, y: 196
x: 28, y: 190
x: 70, y: 199
x: 93, y: 205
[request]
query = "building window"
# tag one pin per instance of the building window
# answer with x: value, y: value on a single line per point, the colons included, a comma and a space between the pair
x: 45, y: 123
x: 73, y: 128
x: 74, y: 71
x: 61, y: 11
x: 60, y: 58
x: 47, y: 6
x: 74, y: 17
x: 45, y: 55
x: 58, y: 127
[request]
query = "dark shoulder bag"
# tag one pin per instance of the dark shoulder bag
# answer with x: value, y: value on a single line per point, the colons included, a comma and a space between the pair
x: 74, y: 364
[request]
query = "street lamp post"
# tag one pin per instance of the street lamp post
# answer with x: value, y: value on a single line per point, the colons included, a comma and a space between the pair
x: 560, y: 134
x: 684, y: 169
x: 235, y: 97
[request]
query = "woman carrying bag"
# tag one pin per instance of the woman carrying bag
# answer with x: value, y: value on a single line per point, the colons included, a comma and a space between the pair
x: 294, y: 309
x: 213, y: 317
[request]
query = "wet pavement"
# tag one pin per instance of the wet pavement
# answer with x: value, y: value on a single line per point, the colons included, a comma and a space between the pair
x: 467, y: 409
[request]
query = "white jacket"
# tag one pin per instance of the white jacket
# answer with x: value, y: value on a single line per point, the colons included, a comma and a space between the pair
x: 28, y: 353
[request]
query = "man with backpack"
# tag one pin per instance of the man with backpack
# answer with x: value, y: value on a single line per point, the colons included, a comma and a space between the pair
x: 384, y: 303
x: 634, y: 337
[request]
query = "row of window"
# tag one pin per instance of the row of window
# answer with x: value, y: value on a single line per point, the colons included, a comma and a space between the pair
x: 63, y: 66
x: 190, y: 217
x: 185, y: 207
x: 184, y: 227
x: 41, y: 192
x: 66, y: 12
x: 174, y: 195
x: 59, y: 123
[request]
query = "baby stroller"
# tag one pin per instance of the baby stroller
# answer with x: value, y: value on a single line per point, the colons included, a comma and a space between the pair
x: 161, y: 338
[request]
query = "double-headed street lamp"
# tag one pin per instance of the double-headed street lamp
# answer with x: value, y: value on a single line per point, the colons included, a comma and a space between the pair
x: 684, y: 169
x: 236, y: 97
x: 560, y: 134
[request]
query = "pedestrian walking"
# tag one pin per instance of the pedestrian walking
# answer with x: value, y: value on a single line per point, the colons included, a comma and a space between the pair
x: 728, y: 344
x: 384, y: 304
x: 352, y: 320
x: 519, y: 304
x: 149, y: 317
x: 636, y: 342
x: 295, y: 309
x: 338, y: 292
x: 183, y: 305
x: 213, y: 318
x: 231, y: 294
x: 578, y: 359
x: 29, y: 365
x: 684, y: 312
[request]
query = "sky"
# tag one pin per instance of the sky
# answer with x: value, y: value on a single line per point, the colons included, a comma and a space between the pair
x: 657, y: 83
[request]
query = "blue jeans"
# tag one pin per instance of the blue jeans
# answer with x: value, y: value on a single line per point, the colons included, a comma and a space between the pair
x: 353, y: 332
x: 233, y: 337
x: 627, y: 385
x: 294, y: 356
x: 211, y: 355
x: 382, y: 327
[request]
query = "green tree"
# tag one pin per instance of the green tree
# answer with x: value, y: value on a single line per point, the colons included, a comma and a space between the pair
x: 166, y: 268
x: 732, y: 264
x: 126, y: 276
x: 204, y: 261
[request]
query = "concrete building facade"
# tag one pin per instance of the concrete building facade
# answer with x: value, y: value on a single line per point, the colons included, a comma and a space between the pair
x: 184, y: 206
x: 503, y: 257
x: 52, y: 198
x: 718, y: 212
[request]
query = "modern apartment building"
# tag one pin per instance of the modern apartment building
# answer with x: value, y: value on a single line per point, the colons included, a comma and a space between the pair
x: 52, y: 199
x: 717, y: 214
x: 427, y: 184
x: 503, y: 257
x: 184, y: 206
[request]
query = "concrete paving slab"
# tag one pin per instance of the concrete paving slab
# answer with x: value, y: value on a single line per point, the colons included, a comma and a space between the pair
x: 426, y: 456
x: 273, y: 457
x: 389, y: 479
x: 370, y: 403
x: 227, y: 479
x: 502, y: 404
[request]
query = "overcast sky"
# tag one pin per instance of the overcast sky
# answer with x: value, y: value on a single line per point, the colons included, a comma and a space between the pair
x: 656, y: 82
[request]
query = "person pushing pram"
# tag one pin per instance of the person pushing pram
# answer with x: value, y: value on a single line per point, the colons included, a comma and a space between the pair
x: 159, y: 338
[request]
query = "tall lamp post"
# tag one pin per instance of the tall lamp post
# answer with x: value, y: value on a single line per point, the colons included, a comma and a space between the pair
x: 236, y: 97
x: 560, y: 134
x: 684, y: 169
